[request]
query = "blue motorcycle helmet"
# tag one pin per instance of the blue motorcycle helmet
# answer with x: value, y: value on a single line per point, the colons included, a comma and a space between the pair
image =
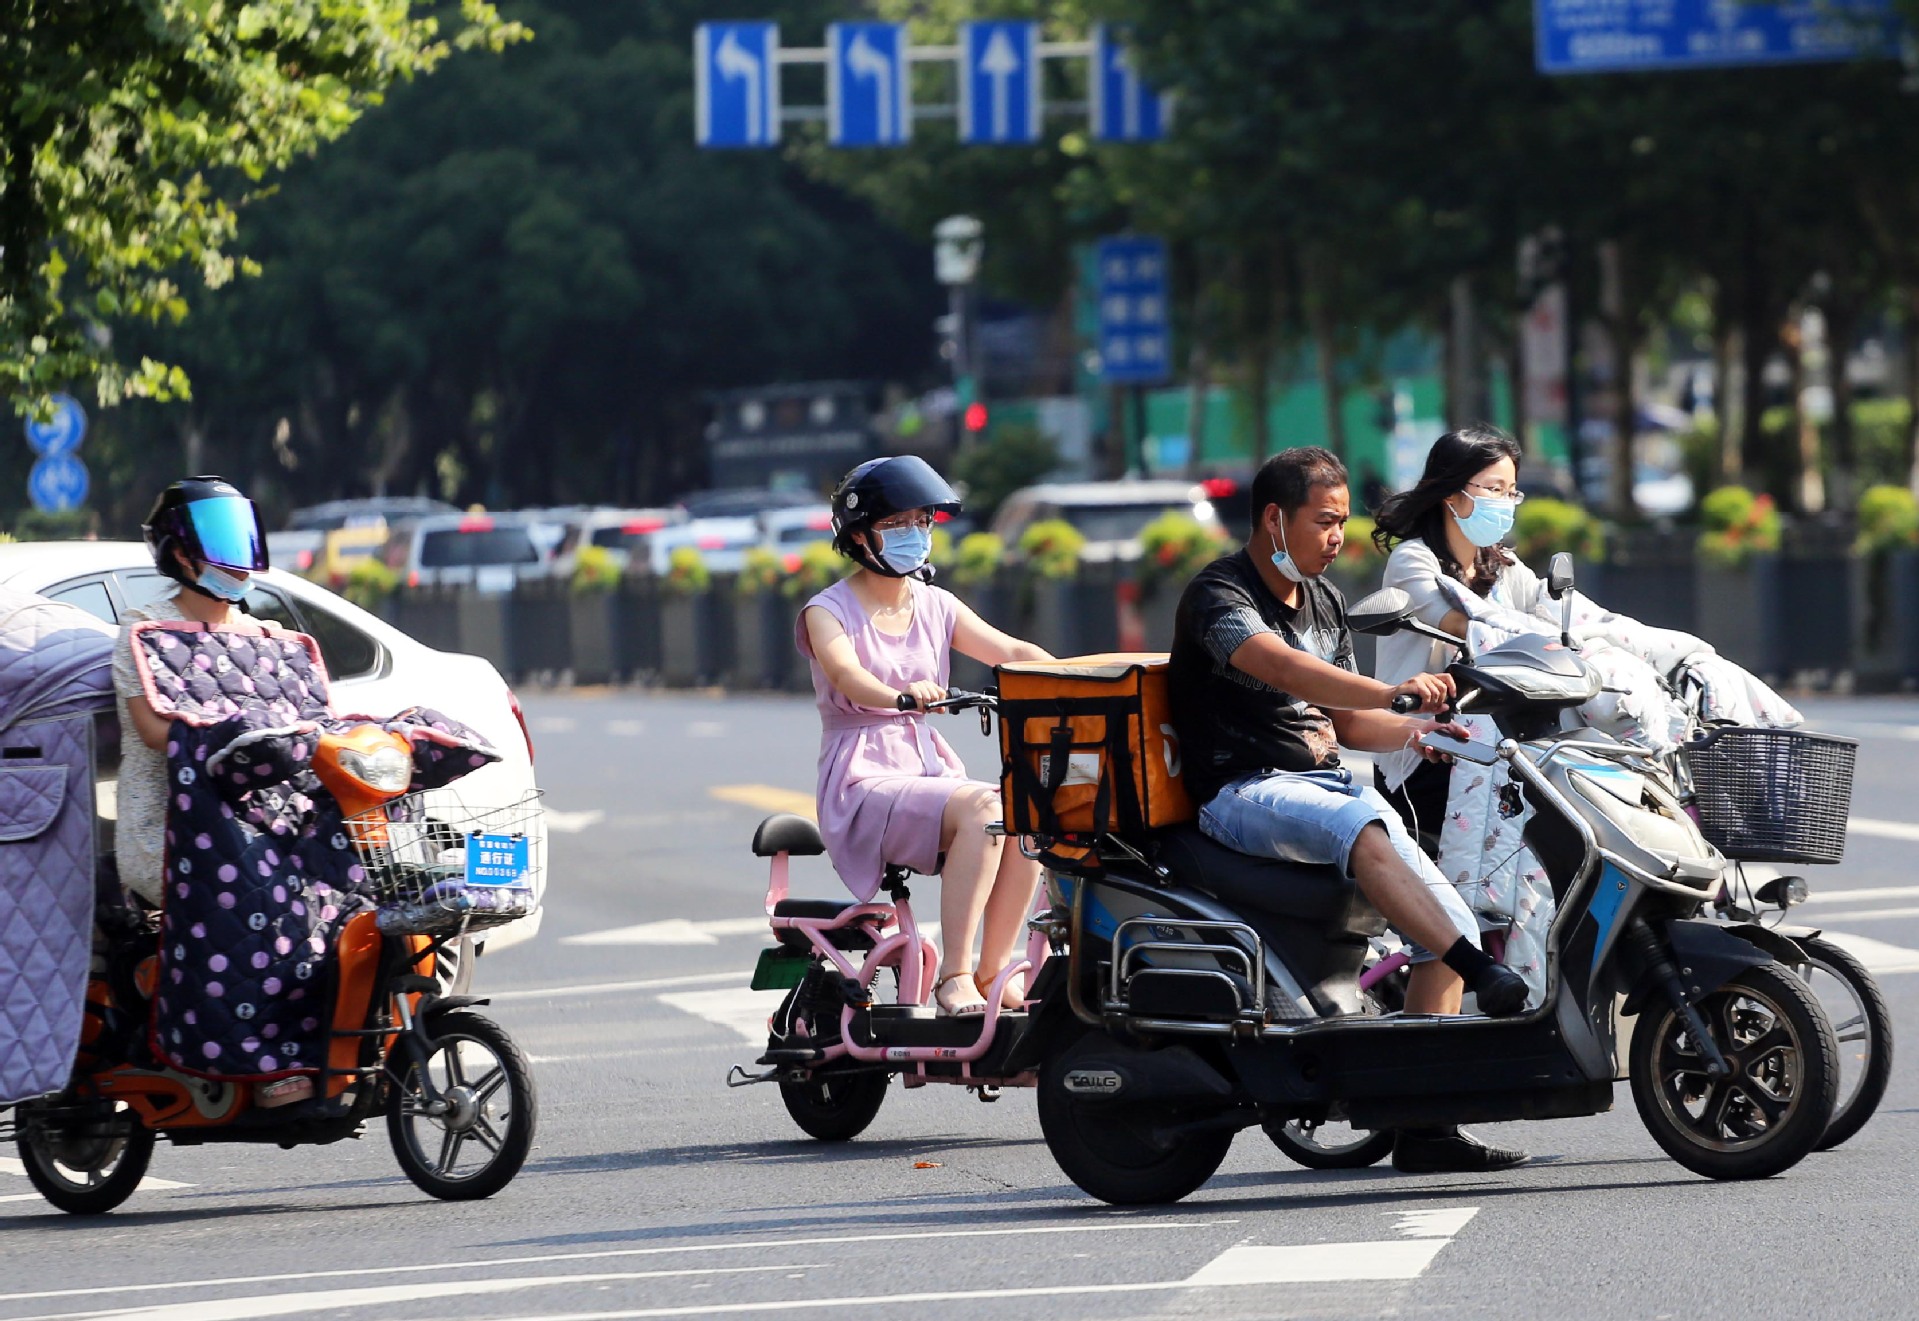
x: 212, y: 525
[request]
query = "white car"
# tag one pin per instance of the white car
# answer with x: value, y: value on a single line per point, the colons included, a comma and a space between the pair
x: 375, y: 669
x: 1110, y: 515
x: 721, y: 542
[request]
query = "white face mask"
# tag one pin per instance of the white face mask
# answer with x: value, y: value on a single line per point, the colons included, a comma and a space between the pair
x: 1283, y: 559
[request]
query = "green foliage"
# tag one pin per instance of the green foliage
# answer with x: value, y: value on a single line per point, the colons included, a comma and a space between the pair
x: 1738, y: 525
x: 1359, y: 551
x: 978, y: 558
x: 41, y: 525
x: 1888, y: 520
x: 761, y: 571
x: 1175, y: 546
x: 1542, y: 528
x: 594, y: 570
x: 1050, y: 548
x: 1016, y: 456
x: 132, y: 133
x: 686, y: 573
x: 369, y: 582
x: 820, y: 567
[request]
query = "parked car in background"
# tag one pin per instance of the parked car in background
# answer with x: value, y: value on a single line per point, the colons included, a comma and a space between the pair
x: 1110, y: 515
x: 490, y: 552
x: 721, y: 542
x: 742, y: 501
x: 295, y: 551
x: 372, y: 666
x: 345, y: 547
x: 612, y: 530
x: 787, y: 532
x: 379, y: 509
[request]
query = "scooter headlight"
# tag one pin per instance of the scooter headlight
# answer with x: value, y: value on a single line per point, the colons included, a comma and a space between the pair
x: 386, y: 770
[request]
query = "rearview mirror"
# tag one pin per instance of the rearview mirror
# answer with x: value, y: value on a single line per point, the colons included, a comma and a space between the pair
x: 1559, y: 576
x: 1382, y: 612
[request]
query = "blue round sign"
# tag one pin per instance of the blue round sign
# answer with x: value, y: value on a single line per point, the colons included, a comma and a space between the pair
x: 58, y: 483
x: 61, y: 433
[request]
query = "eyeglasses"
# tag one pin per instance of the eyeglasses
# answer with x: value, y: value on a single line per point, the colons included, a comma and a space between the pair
x: 898, y: 521
x: 1512, y: 493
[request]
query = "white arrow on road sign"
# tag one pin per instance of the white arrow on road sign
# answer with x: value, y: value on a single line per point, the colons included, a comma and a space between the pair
x: 60, y: 433
x: 868, y: 63
x: 1000, y: 64
x: 737, y: 63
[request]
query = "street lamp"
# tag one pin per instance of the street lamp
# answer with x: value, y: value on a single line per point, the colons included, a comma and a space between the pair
x: 958, y: 244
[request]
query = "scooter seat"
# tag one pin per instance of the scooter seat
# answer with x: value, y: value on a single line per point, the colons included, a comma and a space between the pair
x: 1308, y: 894
x: 821, y: 909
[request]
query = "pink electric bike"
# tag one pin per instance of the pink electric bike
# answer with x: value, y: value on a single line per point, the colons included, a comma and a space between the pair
x: 838, y: 1038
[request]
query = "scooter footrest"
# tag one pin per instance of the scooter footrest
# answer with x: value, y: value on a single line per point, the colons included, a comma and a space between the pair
x: 907, y: 1025
x: 793, y: 1055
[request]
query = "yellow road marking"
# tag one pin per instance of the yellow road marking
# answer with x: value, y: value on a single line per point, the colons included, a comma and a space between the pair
x: 766, y: 797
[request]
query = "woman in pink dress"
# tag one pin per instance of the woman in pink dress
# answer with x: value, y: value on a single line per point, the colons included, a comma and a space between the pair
x: 891, y: 790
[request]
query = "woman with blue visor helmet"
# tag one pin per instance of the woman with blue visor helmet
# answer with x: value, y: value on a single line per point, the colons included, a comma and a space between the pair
x: 206, y: 536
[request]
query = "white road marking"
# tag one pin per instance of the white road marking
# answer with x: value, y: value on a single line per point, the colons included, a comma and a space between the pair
x: 1100, y: 1225
x: 766, y: 797
x: 1873, y: 914
x: 1442, y: 1222
x: 1879, y: 957
x: 13, y: 1165
x: 627, y: 728
x: 572, y: 823
x: 1867, y: 893
x: 616, y: 988
x: 554, y: 724
x: 741, y: 1011
x: 1861, y: 825
x: 673, y: 931
x: 265, y: 1305
x: 706, y: 729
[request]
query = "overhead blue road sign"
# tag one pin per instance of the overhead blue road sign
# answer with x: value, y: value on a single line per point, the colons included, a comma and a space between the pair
x: 1135, y: 339
x: 869, y: 97
x: 1598, y: 36
x: 999, y: 85
x: 57, y: 483
x: 736, y: 84
x: 61, y: 433
x: 1124, y: 107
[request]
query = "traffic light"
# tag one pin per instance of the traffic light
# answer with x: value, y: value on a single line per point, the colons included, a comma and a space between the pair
x: 975, y: 417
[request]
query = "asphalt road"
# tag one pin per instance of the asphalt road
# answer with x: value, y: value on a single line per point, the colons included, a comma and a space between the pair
x: 656, y: 1191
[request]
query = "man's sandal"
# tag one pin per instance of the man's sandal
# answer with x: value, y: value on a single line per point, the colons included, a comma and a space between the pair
x: 965, y: 1008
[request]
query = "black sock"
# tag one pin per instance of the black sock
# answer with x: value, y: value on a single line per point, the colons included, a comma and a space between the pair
x: 1468, y: 960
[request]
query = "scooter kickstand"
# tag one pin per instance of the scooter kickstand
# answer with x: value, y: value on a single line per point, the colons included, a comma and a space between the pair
x: 737, y: 1076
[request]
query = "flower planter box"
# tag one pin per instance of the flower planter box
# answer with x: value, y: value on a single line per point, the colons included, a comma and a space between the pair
x: 428, y: 615
x: 1741, y: 612
x: 489, y: 629
x: 1885, y: 620
x: 593, y: 628
x: 696, y: 638
x: 1818, y: 644
x: 638, y: 640
x: 1077, y: 616
x: 764, y: 656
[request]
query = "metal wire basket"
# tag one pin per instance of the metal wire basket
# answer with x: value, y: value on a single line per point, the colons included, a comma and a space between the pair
x: 1773, y: 795
x: 440, y: 868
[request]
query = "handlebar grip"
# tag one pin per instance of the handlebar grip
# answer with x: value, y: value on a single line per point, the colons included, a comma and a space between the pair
x: 905, y: 702
x: 1405, y: 704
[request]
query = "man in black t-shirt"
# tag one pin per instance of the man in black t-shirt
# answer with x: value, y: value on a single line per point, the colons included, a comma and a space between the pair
x: 1264, y: 692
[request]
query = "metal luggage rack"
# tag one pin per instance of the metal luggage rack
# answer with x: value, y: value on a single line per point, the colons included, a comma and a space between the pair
x: 417, y: 856
x: 1209, y: 938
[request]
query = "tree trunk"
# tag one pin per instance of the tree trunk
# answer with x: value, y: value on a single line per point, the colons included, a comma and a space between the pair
x: 1321, y: 296
x: 1199, y: 380
x: 1808, y: 487
x: 1258, y: 390
x: 1911, y: 299
x: 1465, y: 392
x: 1623, y: 337
x: 1842, y: 331
x: 1727, y: 348
x: 1759, y: 320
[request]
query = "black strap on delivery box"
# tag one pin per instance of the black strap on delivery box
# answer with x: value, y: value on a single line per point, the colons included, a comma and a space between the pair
x: 1035, y: 810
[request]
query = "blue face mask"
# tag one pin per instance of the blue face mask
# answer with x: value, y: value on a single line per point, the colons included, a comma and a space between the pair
x: 216, y: 581
x: 905, y: 549
x: 1283, y: 560
x: 1489, y: 522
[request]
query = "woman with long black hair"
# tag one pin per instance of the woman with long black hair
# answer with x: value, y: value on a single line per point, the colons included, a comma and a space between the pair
x: 1450, y: 525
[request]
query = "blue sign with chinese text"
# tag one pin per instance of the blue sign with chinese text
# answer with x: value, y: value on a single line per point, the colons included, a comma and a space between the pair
x: 736, y: 84
x: 1135, y: 339
x: 496, y: 860
x: 1598, y: 36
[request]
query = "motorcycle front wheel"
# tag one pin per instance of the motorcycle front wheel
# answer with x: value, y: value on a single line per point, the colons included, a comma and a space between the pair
x: 85, y: 1164
x: 480, y: 1138
x: 1773, y: 1108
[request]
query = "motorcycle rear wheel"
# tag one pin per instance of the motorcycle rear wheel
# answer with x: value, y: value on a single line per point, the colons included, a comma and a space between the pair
x: 1116, y: 1152
x: 1330, y: 1146
x: 1866, y: 1023
x: 1775, y: 1107
x: 86, y: 1169
x: 495, y: 1108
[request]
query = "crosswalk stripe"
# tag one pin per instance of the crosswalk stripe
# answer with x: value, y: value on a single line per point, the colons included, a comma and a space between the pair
x: 736, y: 1009
x: 1879, y: 957
x: 673, y: 931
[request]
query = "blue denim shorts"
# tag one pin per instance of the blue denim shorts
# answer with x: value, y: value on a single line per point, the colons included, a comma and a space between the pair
x: 1315, y: 817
